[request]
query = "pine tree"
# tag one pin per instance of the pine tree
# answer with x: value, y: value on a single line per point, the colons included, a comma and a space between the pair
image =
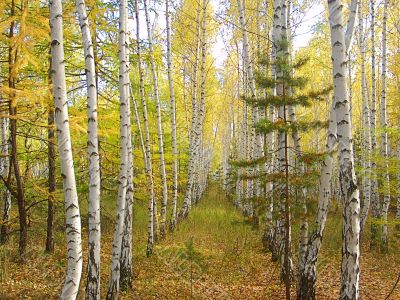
x: 284, y: 93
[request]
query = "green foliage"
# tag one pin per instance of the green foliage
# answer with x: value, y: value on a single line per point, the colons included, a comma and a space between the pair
x: 266, y: 126
x: 283, y: 90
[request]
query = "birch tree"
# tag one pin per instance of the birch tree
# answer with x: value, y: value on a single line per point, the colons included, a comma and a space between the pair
x: 51, y: 158
x: 308, y: 276
x: 173, y: 119
x: 384, y: 134
x: 192, y: 143
x: 147, y: 156
x: 253, y: 93
x: 164, y: 201
x: 123, y: 184
x: 93, y: 267
x: 198, y: 132
x: 72, y: 214
x: 4, y: 169
x: 366, y: 120
x: 126, y: 243
x: 375, y: 202
x: 350, y: 273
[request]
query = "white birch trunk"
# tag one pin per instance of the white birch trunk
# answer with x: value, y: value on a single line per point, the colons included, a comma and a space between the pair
x: 5, y: 193
x: 123, y: 50
x: 308, y: 276
x: 384, y: 134
x: 192, y: 143
x: 253, y: 93
x: 286, y: 255
x: 164, y: 201
x: 139, y: 125
x: 238, y: 146
x: 350, y: 273
x: 193, y: 149
x: 198, y: 137
x: 375, y: 203
x: 366, y: 123
x: 93, y: 267
x: 303, y: 222
x: 280, y: 157
x: 126, y: 244
x: 72, y: 214
x: 173, y: 120
x: 184, y: 74
x: 148, y: 156
x: 271, y: 233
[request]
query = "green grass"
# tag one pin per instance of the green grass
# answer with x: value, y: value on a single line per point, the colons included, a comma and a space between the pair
x: 228, y: 256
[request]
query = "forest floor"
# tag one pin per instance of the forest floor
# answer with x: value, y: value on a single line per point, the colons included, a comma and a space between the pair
x: 214, y: 254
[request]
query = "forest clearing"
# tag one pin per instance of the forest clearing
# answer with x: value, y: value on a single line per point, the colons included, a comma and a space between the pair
x: 199, y: 149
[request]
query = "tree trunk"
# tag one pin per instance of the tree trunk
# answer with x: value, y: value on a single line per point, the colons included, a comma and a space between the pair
x: 308, y: 277
x: 375, y: 203
x: 350, y: 273
x: 72, y: 218
x: 366, y: 124
x: 384, y: 135
x: 173, y: 120
x: 198, y: 133
x: 164, y: 201
x: 12, y: 109
x: 126, y: 244
x: 148, y: 160
x: 192, y: 143
x: 51, y: 180
x: 93, y: 267
x: 123, y: 185
x: 5, y: 172
x: 270, y: 232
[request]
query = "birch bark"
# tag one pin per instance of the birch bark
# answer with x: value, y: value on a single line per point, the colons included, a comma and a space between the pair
x: 93, y: 267
x: 192, y: 143
x: 308, y: 276
x: 164, y: 201
x: 350, y: 273
x: 148, y: 156
x: 173, y: 120
x: 375, y: 203
x: 126, y: 243
x: 272, y: 232
x: 366, y: 123
x: 384, y: 134
x: 198, y: 137
x: 5, y: 194
x: 123, y: 185
x: 51, y: 158
x: 72, y: 217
